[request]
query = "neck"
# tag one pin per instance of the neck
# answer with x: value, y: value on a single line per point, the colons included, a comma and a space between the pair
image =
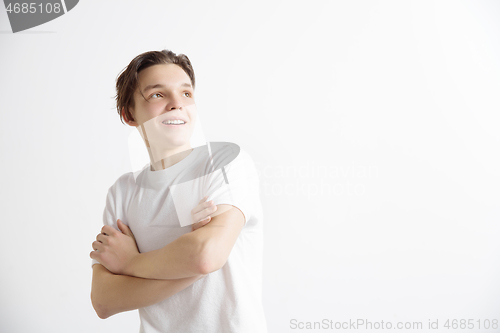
x: 168, y: 157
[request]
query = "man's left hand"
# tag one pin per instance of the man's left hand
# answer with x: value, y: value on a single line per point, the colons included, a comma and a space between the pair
x: 115, y: 249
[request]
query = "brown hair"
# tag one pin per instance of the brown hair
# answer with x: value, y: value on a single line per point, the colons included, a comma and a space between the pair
x: 127, y: 81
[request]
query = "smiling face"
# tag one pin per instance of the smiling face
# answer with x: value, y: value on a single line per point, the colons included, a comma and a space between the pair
x: 164, y: 109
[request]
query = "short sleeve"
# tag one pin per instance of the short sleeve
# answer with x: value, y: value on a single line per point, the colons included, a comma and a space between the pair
x: 113, y: 209
x: 235, y: 184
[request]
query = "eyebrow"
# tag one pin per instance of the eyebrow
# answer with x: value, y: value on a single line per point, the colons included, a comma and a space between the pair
x: 158, y: 85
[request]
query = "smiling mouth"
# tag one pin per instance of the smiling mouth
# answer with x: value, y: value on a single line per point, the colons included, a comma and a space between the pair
x: 175, y: 123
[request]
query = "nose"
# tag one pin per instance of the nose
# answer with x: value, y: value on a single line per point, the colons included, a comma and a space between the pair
x: 174, y: 104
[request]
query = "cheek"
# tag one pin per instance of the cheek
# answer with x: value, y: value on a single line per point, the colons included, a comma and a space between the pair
x: 153, y: 111
x: 194, y: 118
x: 192, y: 112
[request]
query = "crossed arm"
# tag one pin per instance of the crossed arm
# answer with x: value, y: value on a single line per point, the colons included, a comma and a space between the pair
x: 115, y: 293
x: 128, y: 280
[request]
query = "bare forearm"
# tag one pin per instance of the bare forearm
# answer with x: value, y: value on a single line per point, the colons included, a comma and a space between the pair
x: 182, y: 258
x: 112, y: 294
x: 202, y: 251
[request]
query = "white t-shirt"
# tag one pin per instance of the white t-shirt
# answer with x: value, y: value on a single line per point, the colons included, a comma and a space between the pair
x: 229, y: 299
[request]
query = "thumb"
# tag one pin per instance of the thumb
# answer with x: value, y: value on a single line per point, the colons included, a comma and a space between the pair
x: 124, y: 228
x: 203, y: 199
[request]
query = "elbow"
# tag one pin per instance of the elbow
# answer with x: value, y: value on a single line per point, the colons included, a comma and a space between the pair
x: 102, y: 314
x: 206, y: 267
x: 209, y: 262
x: 207, y: 254
x: 100, y: 309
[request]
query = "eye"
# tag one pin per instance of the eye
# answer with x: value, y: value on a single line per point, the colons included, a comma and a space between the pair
x: 153, y: 96
x: 187, y: 92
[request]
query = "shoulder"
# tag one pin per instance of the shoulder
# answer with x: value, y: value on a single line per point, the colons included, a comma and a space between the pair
x: 123, y: 183
x: 231, y: 156
x: 244, y: 157
x: 223, y: 153
x: 245, y: 164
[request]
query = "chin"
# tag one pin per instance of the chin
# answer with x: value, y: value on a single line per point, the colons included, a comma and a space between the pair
x: 178, y: 143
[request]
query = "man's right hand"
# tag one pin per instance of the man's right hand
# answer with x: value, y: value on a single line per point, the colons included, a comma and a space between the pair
x: 200, y: 215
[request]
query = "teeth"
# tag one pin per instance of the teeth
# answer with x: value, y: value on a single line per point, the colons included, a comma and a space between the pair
x: 175, y: 122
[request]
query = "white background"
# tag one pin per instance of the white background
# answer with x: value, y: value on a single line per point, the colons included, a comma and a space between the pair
x: 374, y: 126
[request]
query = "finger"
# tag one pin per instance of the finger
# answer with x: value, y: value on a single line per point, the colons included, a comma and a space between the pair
x: 97, y: 246
x: 209, y: 210
x: 201, y: 205
x: 121, y: 226
x: 198, y: 208
x: 108, y: 230
x: 198, y: 217
x: 102, y: 238
x: 124, y: 228
x: 203, y: 200
x: 202, y: 223
x: 195, y: 226
x: 208, y: 204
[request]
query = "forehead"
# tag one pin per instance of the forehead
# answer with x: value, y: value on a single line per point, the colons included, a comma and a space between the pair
x: 165, y: 74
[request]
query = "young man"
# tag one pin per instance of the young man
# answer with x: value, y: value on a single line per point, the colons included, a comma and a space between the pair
x: 182, y: 278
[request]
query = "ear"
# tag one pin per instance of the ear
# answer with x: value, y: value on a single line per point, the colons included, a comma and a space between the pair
x: 127, y: 121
